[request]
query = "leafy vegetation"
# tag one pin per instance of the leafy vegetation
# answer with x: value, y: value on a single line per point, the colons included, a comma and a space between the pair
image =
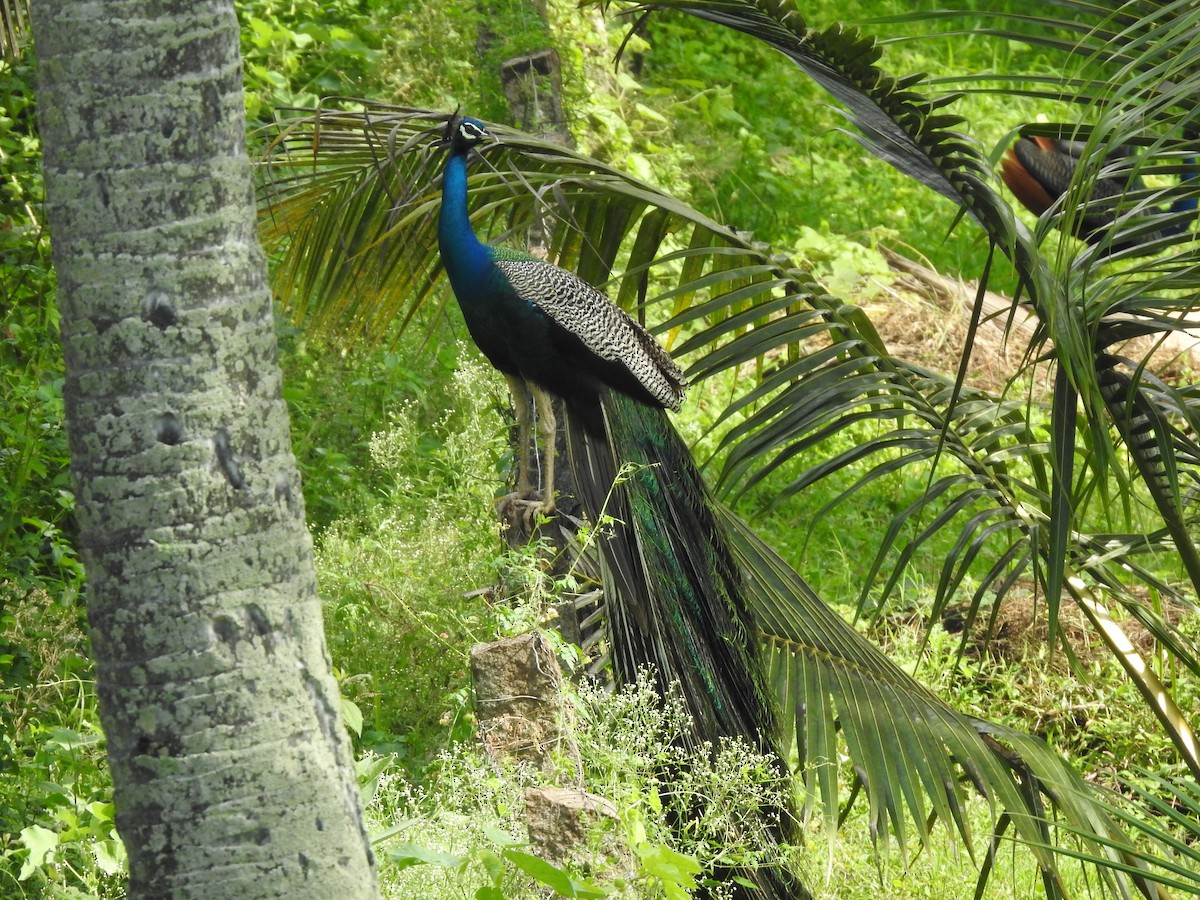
x: 403, y: 444
x: 295, y: 54
x: 55, y: 821
x: 398, y: 628
x: 626, y: 741
x: 35, y: 501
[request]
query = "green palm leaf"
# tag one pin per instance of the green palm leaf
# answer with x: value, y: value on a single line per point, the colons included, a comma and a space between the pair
x: 1080, y: 313
x: 908, y: 747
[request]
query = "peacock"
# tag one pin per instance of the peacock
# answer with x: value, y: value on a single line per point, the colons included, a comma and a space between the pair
x: 1038, y: 170
x: 673, y: 595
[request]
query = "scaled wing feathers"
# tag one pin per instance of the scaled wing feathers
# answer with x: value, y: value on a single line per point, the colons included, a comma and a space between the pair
x: 605, y: 329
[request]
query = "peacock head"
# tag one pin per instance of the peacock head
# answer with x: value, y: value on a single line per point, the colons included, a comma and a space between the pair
x: 462, y: 133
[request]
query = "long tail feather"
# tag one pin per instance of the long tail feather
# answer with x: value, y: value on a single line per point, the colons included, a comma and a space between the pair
x: 673, y: 593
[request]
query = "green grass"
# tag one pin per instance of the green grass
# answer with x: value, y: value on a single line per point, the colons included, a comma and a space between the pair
x: 56, y: 815
x: 404, y: 573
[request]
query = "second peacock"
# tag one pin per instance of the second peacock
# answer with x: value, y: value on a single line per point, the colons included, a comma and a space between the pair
x: 673, y: 595
x: 1039, y: 171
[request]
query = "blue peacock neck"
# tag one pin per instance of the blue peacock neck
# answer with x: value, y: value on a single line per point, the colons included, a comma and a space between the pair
x: 464, y: 257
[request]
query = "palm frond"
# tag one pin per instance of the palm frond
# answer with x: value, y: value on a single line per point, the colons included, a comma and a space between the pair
x: 1172, y: 831
x: 1145, y: 80
x: 911, y: 131
x: 911, y: 751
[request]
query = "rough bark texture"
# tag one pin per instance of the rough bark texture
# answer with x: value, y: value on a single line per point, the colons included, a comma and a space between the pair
x: 232, y: 772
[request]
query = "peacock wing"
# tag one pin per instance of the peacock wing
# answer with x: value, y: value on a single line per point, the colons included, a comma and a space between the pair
x: 603, y: 327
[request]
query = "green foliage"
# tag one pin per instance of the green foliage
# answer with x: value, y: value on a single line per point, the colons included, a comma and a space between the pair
x: 57, y: 836
x: 35, y: 495
x: 435, y: 55
x: 338, y: 399
x: 428, y: 56
x: 414, y: 538
x: 500, y: 867
x: 768, y: 153
x: 1017, y: 679
x: 507, y: 29
x: 296, y: 54
x: 719, y: 799
x: 679, y: 812
x: 846, y: 267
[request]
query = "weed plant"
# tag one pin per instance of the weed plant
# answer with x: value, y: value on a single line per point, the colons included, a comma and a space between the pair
x: 57, y: 836
x: 630, y: 746
x: 405, y: 570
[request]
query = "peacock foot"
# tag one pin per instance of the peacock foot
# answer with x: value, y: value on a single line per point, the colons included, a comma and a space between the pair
x: 520, y: 507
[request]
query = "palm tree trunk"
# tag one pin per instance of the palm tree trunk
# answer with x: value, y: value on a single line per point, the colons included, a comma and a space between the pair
x: 232, y: 771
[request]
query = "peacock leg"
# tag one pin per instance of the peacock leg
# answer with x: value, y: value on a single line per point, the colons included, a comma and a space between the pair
x: 520, y: 396
x: 524, y: 502
x: 548, y: 431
